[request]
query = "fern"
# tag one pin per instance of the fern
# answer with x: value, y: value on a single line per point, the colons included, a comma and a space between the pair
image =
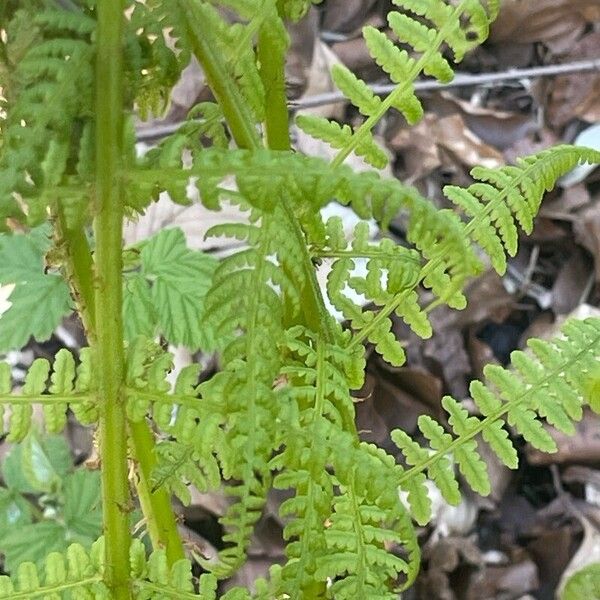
x: 55, y: 71
x: 180, y: 414
x: 244, y: 388
x: 67, y: 389
x: 279, y: 412
x: 77, y: 574
x: 547, y: 382
x: 318, y: 458
x: 439, y: 235
x: 446, y: 243
x: 426, y: 27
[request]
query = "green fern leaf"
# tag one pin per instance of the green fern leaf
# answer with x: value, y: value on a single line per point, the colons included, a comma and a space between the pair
x: 61, y: 394
x: 75, y: 574
x: 62, y: 379
x: 400, y: 67
x: 358, y: 92
x: 338, y: 136
x: 517, y: 398
x: 512, y: 194
x: 421, y: 38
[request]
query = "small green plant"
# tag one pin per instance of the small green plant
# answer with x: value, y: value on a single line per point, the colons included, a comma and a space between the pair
x: 279, y: 413
x: 47, y: 504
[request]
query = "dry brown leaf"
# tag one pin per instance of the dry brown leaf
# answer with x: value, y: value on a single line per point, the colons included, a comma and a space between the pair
x: 438, y: 141
x: 587, y: 232
x: 497, y: 128
x: 572, y: 283
x: 453, y: 135
x: 576, y: 95
x: 321, y: 82
x: 355, y: 55
x: 552, y: 21
x: 303, y: 37
x: 346, y: 16
x: 509, y: 582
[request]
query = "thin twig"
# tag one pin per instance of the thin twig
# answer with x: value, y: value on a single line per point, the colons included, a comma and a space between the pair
x: 461, y: 80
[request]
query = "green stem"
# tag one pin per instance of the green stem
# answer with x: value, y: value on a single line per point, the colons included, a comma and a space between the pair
x: 80, y: 272
x: 157, y: 509
x: 109, y: 352
x: 272, y: 74
x: 156, y: 505
x: 236, y: 113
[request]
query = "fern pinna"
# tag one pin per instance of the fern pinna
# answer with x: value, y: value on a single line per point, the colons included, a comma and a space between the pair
x: 279, y: 413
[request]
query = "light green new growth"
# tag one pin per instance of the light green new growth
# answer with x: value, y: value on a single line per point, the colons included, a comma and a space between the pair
x: 279, y: 413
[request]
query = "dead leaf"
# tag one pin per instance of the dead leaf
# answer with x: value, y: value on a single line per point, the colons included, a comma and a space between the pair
x: 551, y: 21
x: 576, y: 95
x: 587, y: 554
x: 303, y: 36
x: 572, y: 283
x: 587, y: 232
x: 345, y: 16
x: 319, y: 81
x: 499, y: 129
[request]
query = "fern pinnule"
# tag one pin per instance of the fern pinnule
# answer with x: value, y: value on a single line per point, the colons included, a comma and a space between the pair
x: 74, y: 574
x: 339, y: 136
x: 61, y: 22
x: 65, y: 390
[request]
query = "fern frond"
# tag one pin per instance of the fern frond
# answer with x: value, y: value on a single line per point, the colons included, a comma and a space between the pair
x: 235, y: 42
x: 238, y: 427
x: 427, y: 27
x: 547, y: 383
x: 244, y: 390
x: 390, y: 270
x: 502, y: 198
x: 320, y: 454
x: 76, y: 574
x: 512, y: 189
x: 153, y: 66
x: 37, y: 137
x: 180, y: 414
x: 65, y: 390
x: 262, y: 176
